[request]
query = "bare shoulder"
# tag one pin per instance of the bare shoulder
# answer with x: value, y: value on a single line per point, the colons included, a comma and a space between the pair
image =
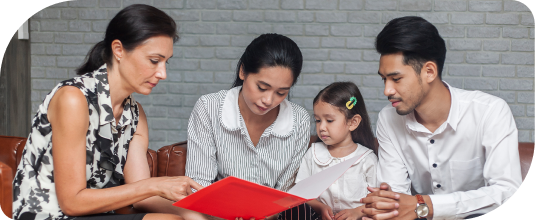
x: 68, y: 100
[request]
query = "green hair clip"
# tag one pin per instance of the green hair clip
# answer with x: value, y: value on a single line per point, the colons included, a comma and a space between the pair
x: 351, y: 103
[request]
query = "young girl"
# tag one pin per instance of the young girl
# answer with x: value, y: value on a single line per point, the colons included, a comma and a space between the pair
x: 343, y: 126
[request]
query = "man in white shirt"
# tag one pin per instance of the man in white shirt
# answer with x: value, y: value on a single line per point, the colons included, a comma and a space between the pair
x: 444, y: 153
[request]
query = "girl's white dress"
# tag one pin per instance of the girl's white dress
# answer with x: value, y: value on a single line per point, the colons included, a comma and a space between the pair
x: 346, y: 192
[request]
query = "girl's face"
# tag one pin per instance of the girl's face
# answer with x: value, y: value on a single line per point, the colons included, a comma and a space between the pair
x: 332, y: 127
x: 265, y: 90
x: 143, y: 67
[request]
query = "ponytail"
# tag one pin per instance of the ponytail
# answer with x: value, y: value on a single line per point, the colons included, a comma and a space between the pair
x: 94, y: 59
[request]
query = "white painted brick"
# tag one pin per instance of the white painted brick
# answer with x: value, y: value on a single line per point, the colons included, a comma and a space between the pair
x: 505, y: 18
x: 376, y: 106
x: 451, y: 31
x: 93, y: 38
x: 292, y: 4
x: 168, y: 4
x: 331, y: 17
x: 232, y: 4
x: 249, y: 15
x: 48, y: 13
x: 516, y: 84
x: 225, y: 77
x: 131, y: 2
x: 515, y: 32
x: 374, y: 81
x: 464, y: 70
x: 524, y: 71
x: 70, y: 61
x: 517, y: 58
x: 316, y: 30
x: 435, y: 17
x: 318, y: 79
x: 69, y: 13
x: 332, y: 42
x: 315, y: 54
x: 110, y: 4
x: 515, y: 6
x: 82, y: 26
x: 81, y: 50
x: 183, y: 64
x: 321, y: 4
x: 199, y: 77
x: 261, y: 28
x: 37, y: 49
x: 482, y: 57
x: 211, y: 88
x: 305, y: 16
x: 480, y: 84
x: 279, y: 16
x: 288, y: 29
x: 499, y: 71
x: 197, y: 28
x: 92, y: 14
x: 509, y: 97
x: 496, y: 45
x: 521, y: 45
x: 529, y: 111
x: 99, y: 26
x: 455, y: 57
x: 307, y: 42
x: 345, y: 55
x: 195, y: 52
x: 346, y: 30
x: 518, y: 110
x: 369, y: 68
x: 54, y: 25
x: 216, y: 15
x: 229, y: 53
x: 527, y: 19
x: 216, y: 40
x: 43, y: 61
x: 467, y: 18
x: 364, y: 17
x: 450, y: 5
x: 201, y: 4
x: 185, y: 15
x: 241, y: 41
x: 218, y: 65
x: 42, y: 37
x: 112, y: 13
x: 166, y: 124
x: 349, y: 78
x: 181, y: 112
x: 415, y: 5
x: 333, y: 67
x: 386, y: 5
x: 388, y: 16
x: 356, y: 5
x: 83, y: 4
x: 34, y: 26
x: 183, y: 88
x: 370, y: 55
x: 231, y: 28
x: 44, y: 84
x: 361, y: 43
x: 525, y: 97
x: 302, y: 91
x: 311, y: 67
x: 484, y: 32
x: 523, y: 136
x: 464, y: 44
x: 525, y: 123
x: 372, y: 30
x: 263, y: 4
x: 455, y: 82
x: 56, y: 73
x: 485, y: 6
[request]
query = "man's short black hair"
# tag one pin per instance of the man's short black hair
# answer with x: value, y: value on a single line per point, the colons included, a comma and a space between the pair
x: 416, y: 38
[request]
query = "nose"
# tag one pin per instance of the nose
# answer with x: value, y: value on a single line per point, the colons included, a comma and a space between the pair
x: 267, y: 99
x: 389, y: 89
x: 161, y: 73
x: 321, y: 126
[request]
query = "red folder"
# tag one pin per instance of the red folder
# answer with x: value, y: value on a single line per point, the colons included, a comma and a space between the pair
x: 232, y: 197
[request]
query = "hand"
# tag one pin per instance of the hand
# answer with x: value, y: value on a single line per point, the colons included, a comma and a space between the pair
x: 176, y: 188
x: 326, y: 212
x: 350, y: 214
x: 242, y: 218
x: 381, y: 203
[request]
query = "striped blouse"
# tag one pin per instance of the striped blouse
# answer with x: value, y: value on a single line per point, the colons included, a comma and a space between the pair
x: 219, y: 144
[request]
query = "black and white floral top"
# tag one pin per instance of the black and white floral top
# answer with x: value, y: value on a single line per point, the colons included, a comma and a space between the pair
x: 107, y: 144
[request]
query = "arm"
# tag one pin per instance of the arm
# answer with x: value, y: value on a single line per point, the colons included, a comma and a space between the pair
x: 201, y: 162
x: 302, y: 139
x: 501, y: 170
x: 68, y: 115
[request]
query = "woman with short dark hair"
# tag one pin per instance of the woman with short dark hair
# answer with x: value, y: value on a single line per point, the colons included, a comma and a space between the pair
x: 86, y: 152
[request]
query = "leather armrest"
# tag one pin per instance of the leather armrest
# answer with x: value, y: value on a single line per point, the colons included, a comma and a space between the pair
x: 6, y: 189
x: 152, y: 159
x: 172, y: 159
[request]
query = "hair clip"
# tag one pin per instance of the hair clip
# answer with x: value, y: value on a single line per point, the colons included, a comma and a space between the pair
x: 351, y: 103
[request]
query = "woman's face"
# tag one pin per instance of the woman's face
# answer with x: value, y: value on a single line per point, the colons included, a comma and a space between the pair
x: 143, y: 67
x: 266, y: 89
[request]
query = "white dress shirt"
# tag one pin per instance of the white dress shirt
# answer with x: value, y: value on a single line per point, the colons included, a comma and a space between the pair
x: 219, y: 144
x: 469, y: 165
x: 346, y: 191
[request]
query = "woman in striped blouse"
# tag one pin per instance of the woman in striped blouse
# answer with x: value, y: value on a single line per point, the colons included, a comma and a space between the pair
x: 252, y: 131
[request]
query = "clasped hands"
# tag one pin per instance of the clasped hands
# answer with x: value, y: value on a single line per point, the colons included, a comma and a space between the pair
x: 383, y: 203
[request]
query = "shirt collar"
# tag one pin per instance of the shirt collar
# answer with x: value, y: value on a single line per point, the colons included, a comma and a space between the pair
x: 282, y: 127
x: 453, y: 115
x: 323, y: 157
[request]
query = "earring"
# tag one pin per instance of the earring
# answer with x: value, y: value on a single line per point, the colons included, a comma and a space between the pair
x: 118, y: 59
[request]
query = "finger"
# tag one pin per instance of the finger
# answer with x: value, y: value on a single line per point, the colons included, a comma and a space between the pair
x: 373, y: 189
x: 375, y: 199
x: 387, y: 215
x: 372, y: 211
x: 388, y: 194
x: 366, y: 218
x: 331, y: 214
x: 194, y: 184
x: 327, y: 217
x: 188, y: 191
x: 180, y: 197
x: 385, y: 186
x: 385, y: 205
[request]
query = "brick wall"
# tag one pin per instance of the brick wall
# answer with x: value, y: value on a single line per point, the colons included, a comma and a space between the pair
x: 490, y: 48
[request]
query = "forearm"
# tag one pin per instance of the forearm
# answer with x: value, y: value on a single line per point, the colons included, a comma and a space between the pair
x: 315, y: 204
x: 93, y: 201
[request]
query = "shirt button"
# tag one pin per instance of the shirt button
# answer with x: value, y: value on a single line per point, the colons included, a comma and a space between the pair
x: 432, y: 141
x: 438, y: 185
x: 435, y: 165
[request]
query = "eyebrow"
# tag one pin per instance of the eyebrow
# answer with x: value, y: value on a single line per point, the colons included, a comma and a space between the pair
x: 266, y: 84
x: 390, y: 74
x: 164, y: 56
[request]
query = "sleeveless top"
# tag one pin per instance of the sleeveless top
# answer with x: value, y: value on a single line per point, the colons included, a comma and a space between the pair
x: 107, y: 144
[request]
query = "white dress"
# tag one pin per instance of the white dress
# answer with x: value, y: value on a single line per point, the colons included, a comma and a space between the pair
x: 346, y: 192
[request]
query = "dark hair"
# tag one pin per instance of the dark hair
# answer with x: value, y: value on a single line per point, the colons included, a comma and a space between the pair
x: 270, y: 50
x: 416, y: 38
x: 132, y: 26
x: 338, y: 94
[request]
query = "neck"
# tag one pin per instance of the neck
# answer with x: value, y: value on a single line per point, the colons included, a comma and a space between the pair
x: 118, y: 90
x: 435, y: 108
x: 250, y: 117
x: 344, y: 148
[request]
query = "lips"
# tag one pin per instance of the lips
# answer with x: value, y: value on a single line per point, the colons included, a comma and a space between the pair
x: 152, y: 84
x: 262, y: 109
x: 396, y: 103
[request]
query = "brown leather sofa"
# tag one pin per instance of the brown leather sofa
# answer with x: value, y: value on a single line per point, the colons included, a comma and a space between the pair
x: 167, y: 161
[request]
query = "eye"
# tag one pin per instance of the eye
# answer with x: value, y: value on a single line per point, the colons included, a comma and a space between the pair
x: 154, y: 61
x: 281, y: 94
x: 317, y: 121
x: 330, y: 121
x: 259, y: 88
x: 395, y: 80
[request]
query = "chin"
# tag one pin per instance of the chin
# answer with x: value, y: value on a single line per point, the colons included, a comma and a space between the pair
x: 404, y: 111
x: 144, y: 91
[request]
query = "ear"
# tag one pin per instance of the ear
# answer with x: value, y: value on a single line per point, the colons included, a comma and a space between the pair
x: 354, y: 122
x: 117, y: 49
x: 242, y: 74
x: 429, y: 72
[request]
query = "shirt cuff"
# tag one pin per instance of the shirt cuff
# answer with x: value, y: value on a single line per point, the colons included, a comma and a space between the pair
x: 444, y: 206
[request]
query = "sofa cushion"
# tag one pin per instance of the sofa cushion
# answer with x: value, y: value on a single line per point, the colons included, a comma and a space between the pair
x: 172, y: 159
